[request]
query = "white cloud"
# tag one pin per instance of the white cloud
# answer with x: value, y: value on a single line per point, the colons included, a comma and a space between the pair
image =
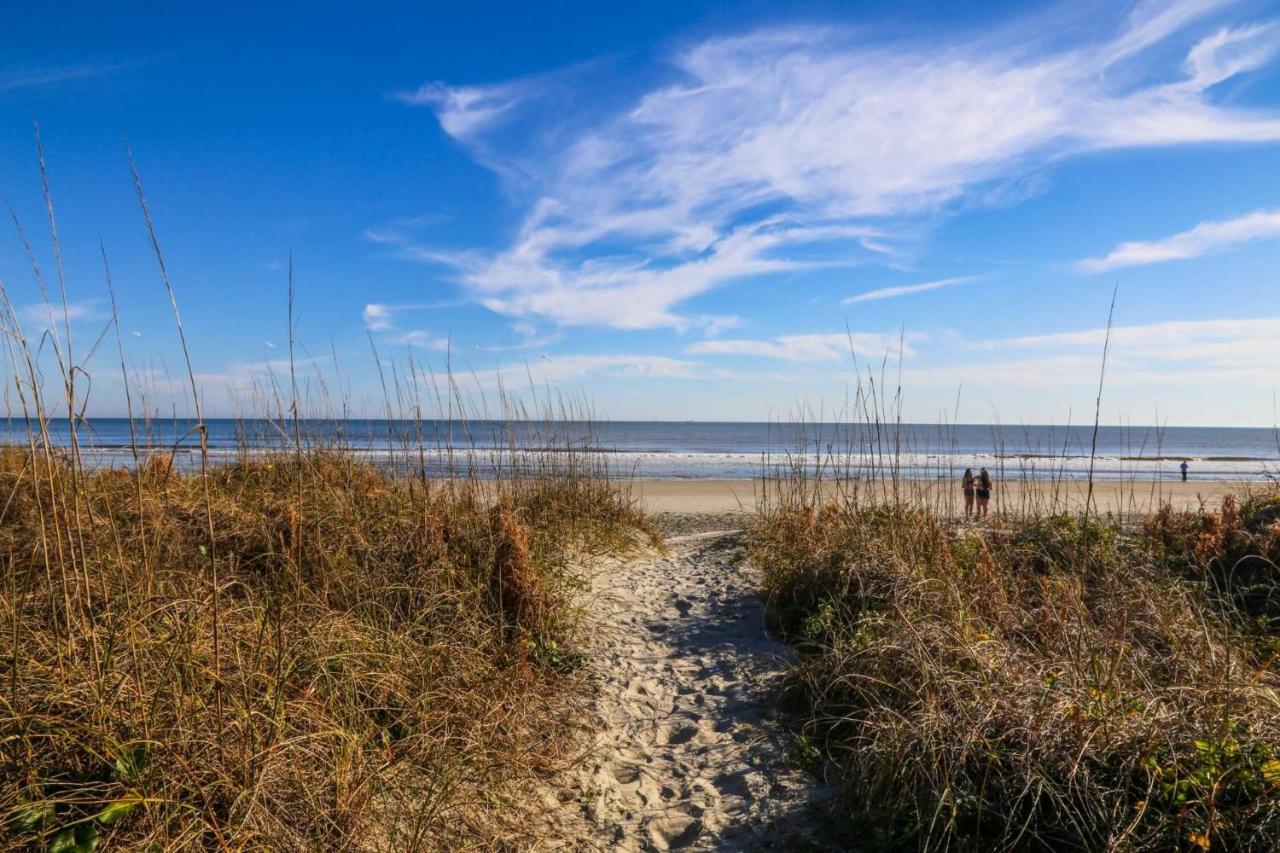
x: 713, y: 325
x: 11, y: 81
x: 1206, y: 352
x: 239, y: 373
x: 1220, y: 342
x: 377, y: 317
x: 466, y: 110
x: 631, y: 292
x: 564, y: 368
x: 822, y: 347
x: 236, y: 379
x: 529, y: 338
x: 1202, y: 239
x: 381, y: 316
x: 789, y: 147
x: 38, y: 313
x: 1229, y: 52
x: 425, y: 340
x: 1059, y: 373
x: 907, y: 289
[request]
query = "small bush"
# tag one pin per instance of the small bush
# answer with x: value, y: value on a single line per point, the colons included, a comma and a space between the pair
x: 1235, y: 551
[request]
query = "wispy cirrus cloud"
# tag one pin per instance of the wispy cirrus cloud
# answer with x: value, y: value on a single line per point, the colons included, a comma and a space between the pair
x: 38, y: 314
x: 1203, y: 239
x: 31, y: 78
x: 237, y: 380
x: 467, y: 110
x: 1172, y: 352
x: 637, y: 290
x: 425, y: 340
x: 729, y: 171
x: 382, y: 316
x: 908, y: 289
x: 529, y: 337
x: 565, y: 368
x: 1225, y: 342
x: 818, y: 347
x: 1229, y: 52
x: 714, y: 325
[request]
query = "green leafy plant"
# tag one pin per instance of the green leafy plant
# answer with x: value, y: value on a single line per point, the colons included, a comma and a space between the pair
x: 81, y: 838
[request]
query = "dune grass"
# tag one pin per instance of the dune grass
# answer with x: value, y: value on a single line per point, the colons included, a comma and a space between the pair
x: 395, y: 663
x: 1039, y: 682
x: 286, y: 648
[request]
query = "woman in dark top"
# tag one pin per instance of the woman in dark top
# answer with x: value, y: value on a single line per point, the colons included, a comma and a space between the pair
x: 968, y: 484
x: 984, y: 492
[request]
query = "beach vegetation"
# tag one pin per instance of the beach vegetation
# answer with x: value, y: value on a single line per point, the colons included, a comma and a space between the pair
x: 1043, y: 682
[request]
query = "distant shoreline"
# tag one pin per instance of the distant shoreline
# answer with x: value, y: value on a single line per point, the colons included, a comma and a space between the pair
x: 712, y: 451
x: 699, y: 496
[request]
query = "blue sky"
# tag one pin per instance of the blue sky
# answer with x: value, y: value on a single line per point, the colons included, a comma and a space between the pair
x: 680, y: 210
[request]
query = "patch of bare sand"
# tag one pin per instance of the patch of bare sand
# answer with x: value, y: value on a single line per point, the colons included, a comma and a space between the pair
x: 691, y: 751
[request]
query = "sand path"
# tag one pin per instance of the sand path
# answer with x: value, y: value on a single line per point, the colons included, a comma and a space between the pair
x: 691, y: 753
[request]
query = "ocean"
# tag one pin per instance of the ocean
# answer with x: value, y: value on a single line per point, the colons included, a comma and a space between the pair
x: 698, y: 450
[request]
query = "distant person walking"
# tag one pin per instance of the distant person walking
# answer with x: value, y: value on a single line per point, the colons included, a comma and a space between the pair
x: 984, y: 493
x: 1184, y: 466
x: 969, y: 485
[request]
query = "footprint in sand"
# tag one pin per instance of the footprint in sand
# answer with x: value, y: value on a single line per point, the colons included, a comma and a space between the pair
x: 626, y: 774
x: 678, y: 736
x: 674, y: 833
x: 733, y: 784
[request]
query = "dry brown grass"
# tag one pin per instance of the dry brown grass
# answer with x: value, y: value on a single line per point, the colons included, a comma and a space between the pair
x: 1041, y: 683
x: 391, y: 667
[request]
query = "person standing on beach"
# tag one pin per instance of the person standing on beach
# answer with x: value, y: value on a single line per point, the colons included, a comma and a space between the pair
x: 1184, y: 466
x: 967, y: 483
x: 984, y: 493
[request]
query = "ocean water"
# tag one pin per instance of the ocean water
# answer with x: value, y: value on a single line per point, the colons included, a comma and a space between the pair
x: 716, y: 450
x: 665, y: 449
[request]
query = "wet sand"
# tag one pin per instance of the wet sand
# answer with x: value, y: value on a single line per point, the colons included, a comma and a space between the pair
x: 1116, y: 497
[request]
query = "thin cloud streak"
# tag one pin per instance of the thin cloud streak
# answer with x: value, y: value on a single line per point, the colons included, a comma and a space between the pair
x: 809, y: 348
x: 559, y: 369
x: 530, y: 339
x: 1203, y: 239
x: 37, y: 77
x: 38, y: 313
x: 381, y: 316
x: 1079, y: 372
x: 425, y: 340
x: 908, y: 289
x: 1166, y: 336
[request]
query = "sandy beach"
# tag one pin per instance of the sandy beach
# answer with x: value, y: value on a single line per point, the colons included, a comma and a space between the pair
x: 1126, y: 497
